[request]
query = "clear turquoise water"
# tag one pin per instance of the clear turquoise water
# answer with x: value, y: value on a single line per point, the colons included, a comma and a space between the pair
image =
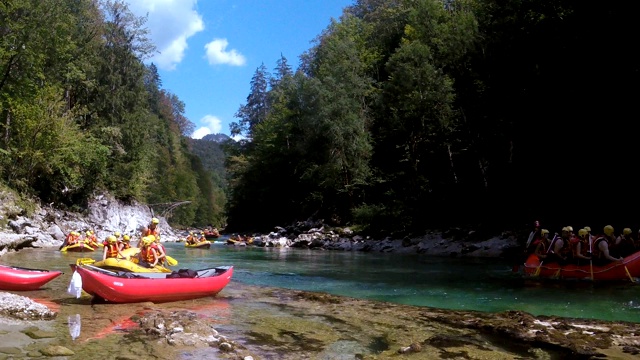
x: 463, y: 284
x: 487, y: 285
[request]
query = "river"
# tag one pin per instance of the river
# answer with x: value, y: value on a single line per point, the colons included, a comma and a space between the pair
x: 486, y: 285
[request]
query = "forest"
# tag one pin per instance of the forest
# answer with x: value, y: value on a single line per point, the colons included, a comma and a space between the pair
x: 404, y: 115
x: 408, y: 115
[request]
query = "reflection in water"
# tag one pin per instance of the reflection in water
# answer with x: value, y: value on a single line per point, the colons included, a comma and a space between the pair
x: 74, y: 326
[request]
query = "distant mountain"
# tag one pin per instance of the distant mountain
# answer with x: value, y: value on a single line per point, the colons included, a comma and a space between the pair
x: 209, y: 150
x: 219, y: 138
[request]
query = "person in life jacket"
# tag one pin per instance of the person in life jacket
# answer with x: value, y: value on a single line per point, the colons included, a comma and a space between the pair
x: 148, y: 255
x: 162, y: 253
x: 542, y: 244
x: 152, y: 229
x: 534, y: 236
x: 625, y: 244
x: 126, y: 242
x: 111, y: 248
x: 600, y: 247
x: 580, y: 248
x: 560, y: 249
x: 91, y: 239
x: 191, y: 239
x: 70, y: 239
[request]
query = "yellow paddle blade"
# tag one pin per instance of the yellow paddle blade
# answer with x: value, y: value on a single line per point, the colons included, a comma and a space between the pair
x: 85, y: 261
x: 171, y: 261
x: 629, y: 274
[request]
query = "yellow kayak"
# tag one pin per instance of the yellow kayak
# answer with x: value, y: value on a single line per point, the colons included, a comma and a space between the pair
x: 132, y: 251
x: 202, y: 244
x: 78, y: 247
x: 123, y: 265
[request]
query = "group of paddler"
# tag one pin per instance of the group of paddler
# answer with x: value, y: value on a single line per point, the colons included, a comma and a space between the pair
x: 582, y: 248
x: 151, y: 253
x: 195, y: 237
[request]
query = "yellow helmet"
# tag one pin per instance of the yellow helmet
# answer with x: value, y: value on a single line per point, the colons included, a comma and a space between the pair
x: 608, y: 230
x: 544, y: 231
x: 565, y: 229
x: 626, y: 231
x: 88, y: 233
x: 587, y: 228
x: 155, y: 221
x: 583, y: 232
x: 570, y: 228
x: 111, y: 239
x: 117, y: 234
x: 126, y: 238
x: 148, y: 240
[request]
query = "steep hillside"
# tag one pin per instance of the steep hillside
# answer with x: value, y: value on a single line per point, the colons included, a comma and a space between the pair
x: 209, y: 151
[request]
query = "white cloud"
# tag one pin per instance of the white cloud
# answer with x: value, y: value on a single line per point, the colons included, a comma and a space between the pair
x: 171, y: 23
x: 217, y: 54
x: 211, y: 125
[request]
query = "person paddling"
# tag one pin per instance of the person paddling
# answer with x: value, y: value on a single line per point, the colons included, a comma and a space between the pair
x: 111, y: 248
x: 126, y: 242
x: 601, y: 245
x: 581, y: 248
x: 148, y: 255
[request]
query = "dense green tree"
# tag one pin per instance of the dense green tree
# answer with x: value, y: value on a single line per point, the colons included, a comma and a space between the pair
x: 255, y: 110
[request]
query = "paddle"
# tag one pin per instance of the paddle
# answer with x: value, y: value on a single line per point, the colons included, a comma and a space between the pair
x: 629, y: 274
x: 171, y: 261
x: 85, y: 261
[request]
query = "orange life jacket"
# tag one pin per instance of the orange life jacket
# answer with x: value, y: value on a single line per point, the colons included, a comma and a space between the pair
x: 147, y: 254
x: 595, y: 250
x: 566, y: 246
x: 71, y: 239
x: 584, y: 246
x: 153, y: 232
x: 112, y: 250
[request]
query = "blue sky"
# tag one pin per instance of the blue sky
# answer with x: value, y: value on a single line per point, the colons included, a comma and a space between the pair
x: 208, y: 50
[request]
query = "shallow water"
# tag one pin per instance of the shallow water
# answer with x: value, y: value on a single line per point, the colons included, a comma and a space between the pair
x: 449, y: 283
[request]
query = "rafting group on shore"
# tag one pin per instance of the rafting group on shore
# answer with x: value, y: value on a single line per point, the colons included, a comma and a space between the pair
x: 582, y: 248
x: 151, y: 253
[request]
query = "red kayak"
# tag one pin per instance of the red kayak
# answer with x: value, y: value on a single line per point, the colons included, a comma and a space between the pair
x: 628, y: 269
x: 23, y: 279
x: 127, y: 287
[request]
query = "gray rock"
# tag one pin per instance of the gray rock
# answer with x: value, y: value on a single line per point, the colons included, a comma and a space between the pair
x: 56, y: 350
x: 55, y: 232
x: 20, y: 307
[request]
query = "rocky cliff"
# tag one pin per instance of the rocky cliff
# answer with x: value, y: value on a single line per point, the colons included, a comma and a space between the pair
x: 48, y: 226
